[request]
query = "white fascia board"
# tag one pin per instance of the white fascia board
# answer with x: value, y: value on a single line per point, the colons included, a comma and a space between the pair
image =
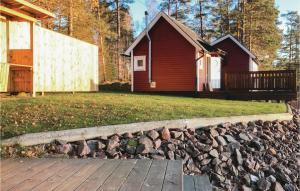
x: 234, y: 40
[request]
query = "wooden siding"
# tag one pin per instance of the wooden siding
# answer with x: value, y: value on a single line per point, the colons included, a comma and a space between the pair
x: 21, y: 57
x: 236, y: 59
x: 173, y: 61
x: 20, y: 79
x: 4, y: 67
x: 62, y: 63
x: 19, y: 35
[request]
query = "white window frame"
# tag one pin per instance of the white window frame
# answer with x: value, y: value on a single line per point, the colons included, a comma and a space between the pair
x: 139, y: 68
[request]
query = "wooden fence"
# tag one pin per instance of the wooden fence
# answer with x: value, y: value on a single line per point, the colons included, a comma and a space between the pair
x: 277, y: 80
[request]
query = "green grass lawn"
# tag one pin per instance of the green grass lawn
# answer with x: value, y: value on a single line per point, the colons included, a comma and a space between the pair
x: 67, y: 111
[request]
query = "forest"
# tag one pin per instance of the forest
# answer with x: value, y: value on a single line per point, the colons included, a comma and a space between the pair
x: 109, y: 24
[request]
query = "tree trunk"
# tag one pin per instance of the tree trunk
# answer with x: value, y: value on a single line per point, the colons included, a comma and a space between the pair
x: 250, y: 32
x: 201, y: 19
x: 176, y: 13
x: 169, y: 7
x: 71, y: 18
x: 102, y: 58
x: 101, y: 52
x: 118, y: 39
x: 243, y: 21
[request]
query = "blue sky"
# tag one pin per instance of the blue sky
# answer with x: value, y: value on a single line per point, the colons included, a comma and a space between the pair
x: 138, y: 8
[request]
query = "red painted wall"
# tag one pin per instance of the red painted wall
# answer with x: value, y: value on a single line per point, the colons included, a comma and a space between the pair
x: 173, y: 61
x: 235, y: 60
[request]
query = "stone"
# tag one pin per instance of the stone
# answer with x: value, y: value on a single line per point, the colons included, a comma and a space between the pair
x: 157, y: 143
x: 165, y: 134
x: 238, y: 157
x: 128, y: 135
x: 130, y: 149
x: 230, y: 139
x: 272, y: 151
x: 60, y: 142
x: 214, y: 143
x: 282, y: 177
x: 233, y: 146
x: 289, y: 187
x: 263, y: 184
x: 93, y: 144
x: 244, y: 136
x: 256, y: 144
x: 158, y: 157
x: 176, y: 134
x: 191, y: 131
x: 271, y: 179
x: 83, y: 148
x: 213, y: 132
x: 171, y: 147
x: 221, y: 140
x: 253, y: 178
x: 246, y: 188
x: 153, y: 134
x: 100, y: 145
x: 277, y: 187
x: 205, y: 161
x: 247, y: 179
x: 170, y: 155
x: 112, y: 153
x: 214, y: 153
x: 143, y: 140
x: 64, y: 149
x: 112, y: 143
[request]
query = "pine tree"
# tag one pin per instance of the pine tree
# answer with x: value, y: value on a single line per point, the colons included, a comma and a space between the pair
x: 178, y: 9
x: 262, y: 35
x: 290, y: 50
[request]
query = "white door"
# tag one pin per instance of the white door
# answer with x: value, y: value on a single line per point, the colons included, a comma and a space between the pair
x: 215, y: 72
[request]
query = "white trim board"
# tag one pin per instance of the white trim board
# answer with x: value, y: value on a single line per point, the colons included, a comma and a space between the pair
x: 236, y: 41
x: 171, y: 22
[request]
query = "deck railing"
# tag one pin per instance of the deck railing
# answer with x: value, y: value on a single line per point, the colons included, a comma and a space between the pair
x: 277, y: 80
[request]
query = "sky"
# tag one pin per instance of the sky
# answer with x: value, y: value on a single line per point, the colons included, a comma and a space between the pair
x: 138, y: 8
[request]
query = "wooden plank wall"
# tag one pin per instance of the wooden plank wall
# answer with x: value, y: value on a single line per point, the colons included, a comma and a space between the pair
x: 283, y: 80
x: 62, y: 63
x: 4, y: 67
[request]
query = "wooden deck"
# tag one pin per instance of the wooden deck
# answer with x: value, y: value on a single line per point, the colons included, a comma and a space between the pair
x: 197, y: 183
x: 91, y: 174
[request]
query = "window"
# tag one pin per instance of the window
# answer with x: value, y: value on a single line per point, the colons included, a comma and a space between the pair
x: 140, y: 63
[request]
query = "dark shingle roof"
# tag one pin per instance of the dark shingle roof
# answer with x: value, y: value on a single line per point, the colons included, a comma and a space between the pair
x: 194, y: 36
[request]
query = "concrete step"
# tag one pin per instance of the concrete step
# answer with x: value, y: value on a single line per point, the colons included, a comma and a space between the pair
x: 196, y: 183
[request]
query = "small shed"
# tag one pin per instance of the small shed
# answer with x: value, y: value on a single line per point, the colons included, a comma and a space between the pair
x: 238, y: 58
x: 34, y: 59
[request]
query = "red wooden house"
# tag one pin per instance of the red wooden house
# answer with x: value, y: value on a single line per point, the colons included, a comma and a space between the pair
x: 169, y: 57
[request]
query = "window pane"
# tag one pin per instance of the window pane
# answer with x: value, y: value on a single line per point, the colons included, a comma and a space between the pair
x: 140, y: 63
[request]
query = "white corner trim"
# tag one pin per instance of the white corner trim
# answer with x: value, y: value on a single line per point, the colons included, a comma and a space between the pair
x: 197, y: 58
x: 234, y: 40
x: 132, y: 71
x: 152, y: 23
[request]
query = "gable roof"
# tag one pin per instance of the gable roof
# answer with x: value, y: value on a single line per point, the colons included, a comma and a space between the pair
x: 23, y: 5
x: 186, y: 32
x: 235, y: 41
